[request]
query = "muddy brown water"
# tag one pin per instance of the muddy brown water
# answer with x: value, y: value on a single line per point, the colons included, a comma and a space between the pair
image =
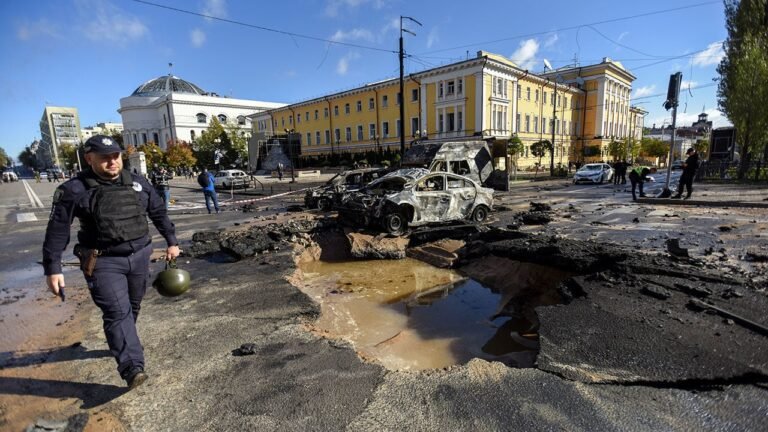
x: 408, y: 315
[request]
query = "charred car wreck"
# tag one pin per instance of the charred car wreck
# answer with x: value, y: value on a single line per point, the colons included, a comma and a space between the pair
x: 416, y: 197
x: 328, y: 196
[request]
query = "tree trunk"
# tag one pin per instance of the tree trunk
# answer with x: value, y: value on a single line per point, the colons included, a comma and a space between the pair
x: 746, y: 152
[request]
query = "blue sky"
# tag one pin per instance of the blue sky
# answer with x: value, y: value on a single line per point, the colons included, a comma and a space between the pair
x: 90, y: 53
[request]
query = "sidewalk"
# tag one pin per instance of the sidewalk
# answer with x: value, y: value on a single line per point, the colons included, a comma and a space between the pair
x: 719, y: 195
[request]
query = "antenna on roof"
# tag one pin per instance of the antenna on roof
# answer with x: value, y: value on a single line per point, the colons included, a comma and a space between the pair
x: 170, y: 68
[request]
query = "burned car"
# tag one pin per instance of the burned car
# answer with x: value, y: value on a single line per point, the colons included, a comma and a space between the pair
x: 329, y: 195
x: 416, y: 197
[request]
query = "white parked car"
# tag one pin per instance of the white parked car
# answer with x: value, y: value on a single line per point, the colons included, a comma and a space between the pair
x: 231, y: 178
x: 594, y: 173
x: 10, y: 176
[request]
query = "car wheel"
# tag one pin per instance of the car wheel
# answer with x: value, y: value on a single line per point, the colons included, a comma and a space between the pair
x: 394, y: 223
x: 324, y: 204
x: 480, y: 214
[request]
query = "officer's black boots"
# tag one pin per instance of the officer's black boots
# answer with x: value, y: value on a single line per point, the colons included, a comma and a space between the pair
x: 136, y: 377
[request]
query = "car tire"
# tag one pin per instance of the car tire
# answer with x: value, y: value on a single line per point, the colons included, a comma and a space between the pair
x: 324, y: 204
x: 394, y: 223
x: 479, y: 214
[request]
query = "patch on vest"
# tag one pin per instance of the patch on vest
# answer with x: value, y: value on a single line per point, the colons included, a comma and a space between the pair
x: 137, y: 186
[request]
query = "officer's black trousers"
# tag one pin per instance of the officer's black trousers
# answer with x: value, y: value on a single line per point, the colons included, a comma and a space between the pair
x: 117, y: 287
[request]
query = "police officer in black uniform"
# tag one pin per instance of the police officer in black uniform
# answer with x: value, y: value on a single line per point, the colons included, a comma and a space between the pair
x: 114, y: 245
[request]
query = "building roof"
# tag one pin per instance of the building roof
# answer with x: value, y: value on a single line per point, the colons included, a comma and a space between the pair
x: 167, y: 84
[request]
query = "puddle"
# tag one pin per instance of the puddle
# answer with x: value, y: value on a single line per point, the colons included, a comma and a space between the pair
x: 408, y: 315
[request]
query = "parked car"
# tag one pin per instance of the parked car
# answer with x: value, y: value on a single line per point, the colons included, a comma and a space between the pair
x: 676, y: 165
x: 10, y: 176
x: 416, y: 197
x: 329, y: 195
x: 594, y: 173
x: 231, y: 178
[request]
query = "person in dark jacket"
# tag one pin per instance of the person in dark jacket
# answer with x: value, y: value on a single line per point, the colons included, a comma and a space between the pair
x: 114, y: 245
x: 638, y: 176
x: 161, y: 181
x: 205, y: 180
x: 690, y: 166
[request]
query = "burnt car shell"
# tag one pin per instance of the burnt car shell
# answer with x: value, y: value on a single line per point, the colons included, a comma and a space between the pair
x: 416, y: 197
x: 329, y: 195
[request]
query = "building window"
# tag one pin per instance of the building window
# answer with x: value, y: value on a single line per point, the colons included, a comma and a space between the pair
x: 359, y: 106
x: 336, y: 110
x: 500, y: 87
x: 155, y: 139
x: 544, y: 125
x: 325, y: 112
x: 222, y: 118
x: 460, y: 89
x: 544, y: 98
x: 371, y: 104
x: 519, y: 91
x: 143, y: 138
x: 327, y: 136
x: 348, y: 134
x: 527, y: 123
x: 316, y: 114
x: 309, y: 138
x: 537, y: 96
x: 565, y: 102
x: 440, y: 123
x: 552, y: 101
x: 317, y: 138
x: 135, y: 141
x: 517, y: 122
x: 451, y: 126
x: 414, y: 95
x: 397, y: 128
x: 306, y: 116
x: 385, y: 101
x: 282, y: 121
x: 460, y: 121
x: 346, y: 108
x: 372, y: 131
x: 337, y: 134
x: 202, y: 118
x: 527, y: 93
x: 415, y: 127
x: 385, y: 129
x: 440, y: 89
x: 191, y: 135
x: 298, y: 118
x: 451, y: 87
x: 241, y: 120
x: 536, y: 124
x: 399, y: 98
x: 165, y: 120
x: 359, y: 132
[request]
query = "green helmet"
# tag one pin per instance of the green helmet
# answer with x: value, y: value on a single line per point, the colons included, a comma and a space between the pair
x: 172, y: 281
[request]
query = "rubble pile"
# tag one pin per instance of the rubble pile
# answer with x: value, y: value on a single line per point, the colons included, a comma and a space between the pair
x: 539, y: 214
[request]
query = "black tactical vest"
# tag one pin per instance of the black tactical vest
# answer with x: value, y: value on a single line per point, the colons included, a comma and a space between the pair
x: 117, y: 211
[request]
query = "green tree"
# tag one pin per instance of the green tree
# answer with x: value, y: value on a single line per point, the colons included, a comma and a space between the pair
x: 68, y: 155
x: 4, y: 159
x: 117, y: 137
x: 651, y: 147
x: 633, y: 147
x: 28, y: 158
x: 239, y: 143
x: 179, y: 154
x: 702, y: 148
x: 153, y: 155
x: 742, y: 88
x: 211, y: 140
x: 539, y: 149
x: 617, y: 149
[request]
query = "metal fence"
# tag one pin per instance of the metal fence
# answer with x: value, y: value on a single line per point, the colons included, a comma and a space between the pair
x: 726, y: 170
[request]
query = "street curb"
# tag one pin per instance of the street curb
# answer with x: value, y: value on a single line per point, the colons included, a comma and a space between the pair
x: 681, y: 202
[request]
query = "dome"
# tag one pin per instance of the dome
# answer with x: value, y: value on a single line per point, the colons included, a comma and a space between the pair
x: 167, y: 84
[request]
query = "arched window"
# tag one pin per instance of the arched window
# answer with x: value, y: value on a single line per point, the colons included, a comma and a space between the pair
x: 202, y: 118
x: 241, y: 120
x: 222, y: 118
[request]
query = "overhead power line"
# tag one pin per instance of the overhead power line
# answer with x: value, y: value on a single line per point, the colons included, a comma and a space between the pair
x: 267, y: 29
x: 574, y: 27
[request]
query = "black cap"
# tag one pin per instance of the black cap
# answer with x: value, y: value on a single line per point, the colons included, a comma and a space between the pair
x: 102, y: 144
x: 690, y: 150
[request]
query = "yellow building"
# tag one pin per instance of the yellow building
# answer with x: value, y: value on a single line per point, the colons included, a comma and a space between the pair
x: 487, y: 96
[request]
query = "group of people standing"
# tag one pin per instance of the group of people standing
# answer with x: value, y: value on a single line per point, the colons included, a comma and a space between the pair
x: 641, y: 174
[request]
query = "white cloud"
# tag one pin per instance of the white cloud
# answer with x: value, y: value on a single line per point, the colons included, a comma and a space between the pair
x: 352, y: 35
x: 342, y: 67
x: 433, y: 37
x: 107, y: 22
x: 42, y: 27
x: 197, y: 37
x: 333, y: 7
x: 215, y: 8
x: 710, y: 56
x: 525, y: 56
x: 551, y: 40
x: 644, y: 91
x: 685, y: 85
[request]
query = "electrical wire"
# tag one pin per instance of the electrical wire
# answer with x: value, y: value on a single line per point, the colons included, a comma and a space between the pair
x: 267, y: 29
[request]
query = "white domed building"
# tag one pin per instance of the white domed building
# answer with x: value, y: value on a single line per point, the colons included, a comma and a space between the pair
x: 169, y: 108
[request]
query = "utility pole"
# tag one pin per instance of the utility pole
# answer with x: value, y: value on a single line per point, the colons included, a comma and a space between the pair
x: 673, y: 92
x: 402, y: 95
x: 554, y: 125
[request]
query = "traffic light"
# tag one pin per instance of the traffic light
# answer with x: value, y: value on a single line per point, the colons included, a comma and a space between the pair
x: 673, y: 91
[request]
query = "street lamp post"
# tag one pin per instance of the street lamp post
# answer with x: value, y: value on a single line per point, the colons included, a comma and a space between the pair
x: 289, y: 133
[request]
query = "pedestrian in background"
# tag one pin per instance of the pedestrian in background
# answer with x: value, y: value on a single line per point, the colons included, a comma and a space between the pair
x: 114, y: 245
x: 161, y: 183
x: 637, y: 177
x: 690, y: 166
x: 280, y: 171
x: 37, y: 176
x: 205, y: 180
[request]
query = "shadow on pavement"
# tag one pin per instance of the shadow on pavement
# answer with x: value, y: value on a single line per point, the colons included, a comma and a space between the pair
x: 92, y: 395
